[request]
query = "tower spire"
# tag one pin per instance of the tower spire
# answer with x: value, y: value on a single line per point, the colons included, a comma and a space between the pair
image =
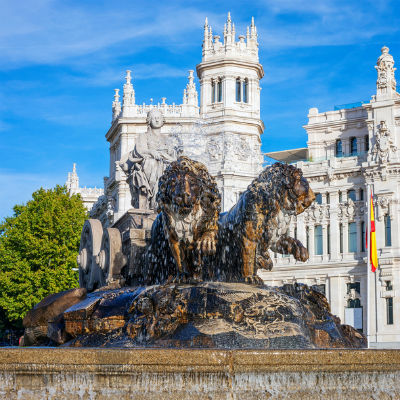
x: 116, y: 105
x: 206, y: 40
x: 190, y: 93
x: 129, y: 93
x: 386, y: 82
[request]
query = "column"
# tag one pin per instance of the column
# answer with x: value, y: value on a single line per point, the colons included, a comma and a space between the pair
x: 345, y: 237
x: 335, y: 234
x: 301, y: 229
x: 229, y: 84
x: 205, y: 94
x: 346, y: 146
x: 359, y: 237
x: 325, y: 240
x: 311, y: 242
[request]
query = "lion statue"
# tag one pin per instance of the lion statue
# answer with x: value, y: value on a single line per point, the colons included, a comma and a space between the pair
x: 260, y: 221
x: 186, y: 227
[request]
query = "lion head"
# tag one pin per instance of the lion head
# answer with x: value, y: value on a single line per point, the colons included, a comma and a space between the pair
x: 186, y: 182
x: 283, y: 186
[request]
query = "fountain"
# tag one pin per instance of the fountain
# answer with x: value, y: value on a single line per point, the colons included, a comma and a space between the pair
x: 171, y: 305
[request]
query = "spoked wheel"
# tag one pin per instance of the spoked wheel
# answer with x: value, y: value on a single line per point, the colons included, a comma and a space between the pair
x: 111, y: 259
x: 89, y: 270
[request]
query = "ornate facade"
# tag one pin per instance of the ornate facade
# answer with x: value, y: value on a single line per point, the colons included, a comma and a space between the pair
x: 348, y: 149
x: 220, y: 128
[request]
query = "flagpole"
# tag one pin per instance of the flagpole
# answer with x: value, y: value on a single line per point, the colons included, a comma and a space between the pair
x: 368, y: 262
x: 375, y: 284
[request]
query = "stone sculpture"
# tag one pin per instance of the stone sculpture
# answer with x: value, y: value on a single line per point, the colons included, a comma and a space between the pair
x: 260, y: 221
x: 384, y: 145
x: 189, y: 204
x: 146, y: 163
x: 169, y: 305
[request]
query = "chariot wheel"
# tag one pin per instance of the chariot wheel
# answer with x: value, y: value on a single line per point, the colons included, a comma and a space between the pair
x: 89, y: 270
x: 110, y: 258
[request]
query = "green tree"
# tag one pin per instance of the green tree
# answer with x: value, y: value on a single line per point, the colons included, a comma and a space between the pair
x: 38, y: 249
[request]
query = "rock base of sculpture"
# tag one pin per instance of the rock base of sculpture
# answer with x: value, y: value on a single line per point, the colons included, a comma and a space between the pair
x: 206, y: 315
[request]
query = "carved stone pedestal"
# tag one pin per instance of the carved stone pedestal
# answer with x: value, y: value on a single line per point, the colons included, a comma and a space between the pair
x: 135, y: 227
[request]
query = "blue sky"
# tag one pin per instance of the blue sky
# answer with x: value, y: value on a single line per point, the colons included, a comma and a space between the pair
x: 61, y: 60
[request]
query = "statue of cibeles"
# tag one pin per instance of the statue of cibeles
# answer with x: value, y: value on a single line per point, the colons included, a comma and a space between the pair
x: 147, y: 162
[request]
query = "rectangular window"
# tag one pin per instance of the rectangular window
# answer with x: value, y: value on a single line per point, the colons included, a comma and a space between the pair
x: 366, y: 143
x: 295, y: 232
x: 362, y: 247
x: 245, y: 91
x: 213, y: 92
x: 340, y: 197
x: 388, y: 231
x: 308, y: 239
x: 351, y: 194
x: 389, y: 285
x: 341, y: 237
x: 318, y: 240
x: 361, y: 194
x: 219, y: 91
x: 238, y: 89
x: 328, y: 200
x: 318, y: 198
x: 389, y: 310
x: 352, y: 237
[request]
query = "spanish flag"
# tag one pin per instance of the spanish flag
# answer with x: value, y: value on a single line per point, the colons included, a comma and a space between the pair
x: 373, y: 252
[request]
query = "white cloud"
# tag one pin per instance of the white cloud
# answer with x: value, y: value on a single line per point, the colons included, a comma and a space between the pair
x: 49, y: 32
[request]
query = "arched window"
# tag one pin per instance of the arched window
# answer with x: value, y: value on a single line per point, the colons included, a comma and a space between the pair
x: 353, y: 146
x: 339, y: 151
x: 351, y: 194
x: 219, y: 90
x: 245, y: 91
x: 318, y: 240
x: 388, y: 231
x: 238, y: 90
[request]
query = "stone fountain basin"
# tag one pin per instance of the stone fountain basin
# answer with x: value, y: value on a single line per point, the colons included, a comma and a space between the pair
x: 89, y: 373
x: 203, y: 315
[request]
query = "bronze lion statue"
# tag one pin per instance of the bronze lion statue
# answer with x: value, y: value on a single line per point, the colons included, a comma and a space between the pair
x: 186, y: 227
x: 260, y: 221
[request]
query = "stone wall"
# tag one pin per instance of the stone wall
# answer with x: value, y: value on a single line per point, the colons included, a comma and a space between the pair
x: 49, y: 373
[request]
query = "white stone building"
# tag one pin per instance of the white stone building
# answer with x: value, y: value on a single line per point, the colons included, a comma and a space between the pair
x: 347, y: 149
x: 222, y: 129
x: 89, y: 195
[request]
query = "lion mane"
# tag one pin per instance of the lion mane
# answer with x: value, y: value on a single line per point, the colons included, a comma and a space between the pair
x: 185, y: 230
x: 260, y: 221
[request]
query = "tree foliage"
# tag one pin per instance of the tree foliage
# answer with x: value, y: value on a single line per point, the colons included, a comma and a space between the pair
x: 38, y: 249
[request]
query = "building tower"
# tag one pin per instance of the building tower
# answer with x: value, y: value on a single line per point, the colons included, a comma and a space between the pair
x: 229, y: 76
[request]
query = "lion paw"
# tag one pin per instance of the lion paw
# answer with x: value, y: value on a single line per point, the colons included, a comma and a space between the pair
x: 301, y: 253
x: 207, y: 244
x: 254, y: 280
